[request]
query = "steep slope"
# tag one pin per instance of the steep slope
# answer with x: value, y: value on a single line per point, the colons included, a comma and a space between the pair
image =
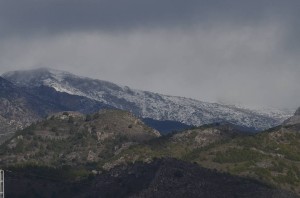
x: 72, y: 138
x: 162, y: 179
x: 19, y: 107
x: 61, y: 101
x: 294, y: 119
x: 16, y: 108
x: 145, y: 104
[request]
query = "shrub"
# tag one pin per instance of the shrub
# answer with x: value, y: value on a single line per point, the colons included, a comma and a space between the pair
x: 237, y: 155
x: 88, y: 118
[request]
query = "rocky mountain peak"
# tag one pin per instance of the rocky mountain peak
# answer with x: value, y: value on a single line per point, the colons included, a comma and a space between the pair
x: 35, y: 77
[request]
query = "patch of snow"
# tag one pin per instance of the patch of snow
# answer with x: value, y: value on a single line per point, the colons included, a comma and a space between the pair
x: 148, y: 104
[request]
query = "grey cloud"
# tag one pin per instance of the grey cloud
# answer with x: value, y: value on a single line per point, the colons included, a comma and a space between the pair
x: 53, y: 16
x: 237, y: 65
x: 239, y: 51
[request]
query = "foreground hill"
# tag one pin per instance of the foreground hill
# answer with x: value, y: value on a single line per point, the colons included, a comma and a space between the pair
x: 177, y: 145
x: 145, y: 104
x: 72, y: 138
x: 161, y: 178
x: 79, y: 145
x: 271, y: 156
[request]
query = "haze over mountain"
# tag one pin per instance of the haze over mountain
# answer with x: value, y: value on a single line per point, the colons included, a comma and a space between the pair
x: 142, y: 103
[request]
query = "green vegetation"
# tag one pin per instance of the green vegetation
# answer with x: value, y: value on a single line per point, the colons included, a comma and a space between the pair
x: 272, y: 156
x: 64, y: 173
x: 235, y: 155
x: 104, y: 140
x: 74, y: 139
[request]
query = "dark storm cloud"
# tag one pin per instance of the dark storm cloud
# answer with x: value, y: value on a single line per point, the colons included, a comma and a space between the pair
x: 28, y: 18
x: 54, y: 16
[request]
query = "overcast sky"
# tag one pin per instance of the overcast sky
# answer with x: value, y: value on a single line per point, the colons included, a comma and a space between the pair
x: 232, y: 51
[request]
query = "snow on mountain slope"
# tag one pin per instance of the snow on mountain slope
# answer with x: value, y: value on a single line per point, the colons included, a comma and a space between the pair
x: 271, y: 112
x: 146, y: 104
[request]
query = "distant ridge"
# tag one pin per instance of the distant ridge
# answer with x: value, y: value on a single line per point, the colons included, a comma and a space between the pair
x: 143, y: 103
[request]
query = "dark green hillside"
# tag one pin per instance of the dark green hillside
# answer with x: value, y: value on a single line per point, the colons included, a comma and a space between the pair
x: 272, y: 156
x: 81, y: 145
x: 72, y: 138
x: 177, y: 145
x: 161, y: 179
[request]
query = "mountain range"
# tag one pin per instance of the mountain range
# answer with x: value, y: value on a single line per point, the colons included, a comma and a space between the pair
x: 43, y: 91
x: 75, y: 136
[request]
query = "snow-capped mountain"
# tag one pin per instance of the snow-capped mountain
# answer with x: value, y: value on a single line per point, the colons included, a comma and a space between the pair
x: 146, y: 104
x: 21, y: 107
